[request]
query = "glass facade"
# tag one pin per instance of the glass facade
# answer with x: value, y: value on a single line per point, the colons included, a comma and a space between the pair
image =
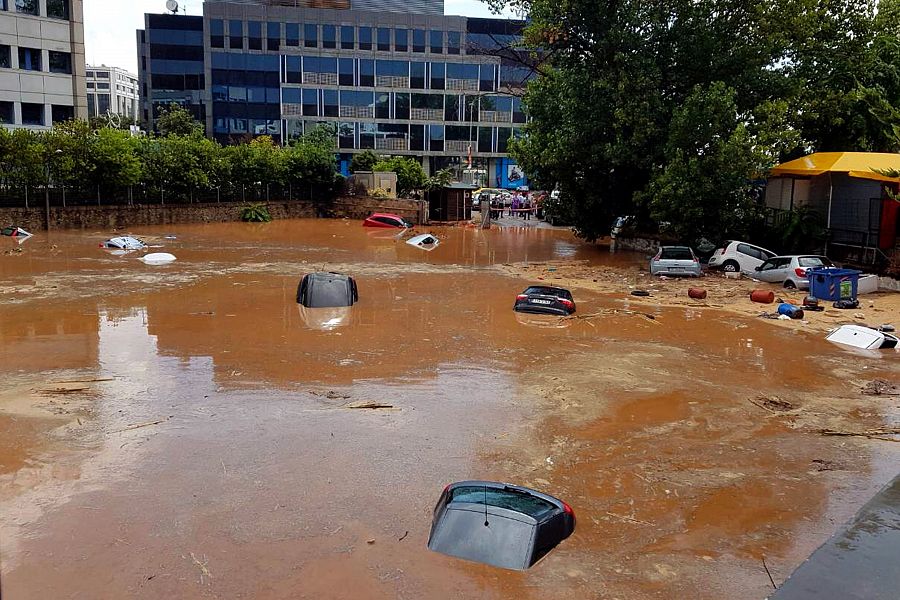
x: 389, y: 88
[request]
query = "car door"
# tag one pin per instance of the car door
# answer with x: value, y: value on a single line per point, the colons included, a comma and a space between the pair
x: 749, y: 257
x: 767, y: 271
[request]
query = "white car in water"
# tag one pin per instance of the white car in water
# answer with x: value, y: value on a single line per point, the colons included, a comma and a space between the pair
x: 739, y: 257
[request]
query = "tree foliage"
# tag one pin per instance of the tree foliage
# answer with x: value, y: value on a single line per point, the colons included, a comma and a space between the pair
x: 364, y: 161
x: 410, y: 174
x: 670, y: 109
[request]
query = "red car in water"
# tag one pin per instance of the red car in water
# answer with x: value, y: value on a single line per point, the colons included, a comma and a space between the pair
x: 386, y: 220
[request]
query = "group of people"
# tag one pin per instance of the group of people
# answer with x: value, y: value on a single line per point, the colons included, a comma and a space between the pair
x: 521, y: 206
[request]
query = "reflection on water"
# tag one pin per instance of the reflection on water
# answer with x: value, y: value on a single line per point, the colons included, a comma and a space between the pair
x: 325, y: 319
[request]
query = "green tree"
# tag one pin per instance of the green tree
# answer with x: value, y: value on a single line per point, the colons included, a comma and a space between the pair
x: 364, y: 161
x: 177, y: 120
x: 410, y: 174
x: 112, y: 154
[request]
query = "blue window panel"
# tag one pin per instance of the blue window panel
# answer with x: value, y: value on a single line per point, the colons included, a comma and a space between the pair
x: 290, y: 95
x: 487, y: 78
x: 392, y: 68
x: 177, y: 38
x: 330, y: 103
x: 417, y: 75
x: 219, y: 92
x: 175, y: 67
x: 384, y: 39
x: 220, y: 125
x: 365, y: 38
x: 311, y: 35
x: 366, y: 72
x: 347, y: 37
x: 453, y: 42
x: 272, y: 95
x: 462, y: 71
x: 329, y: 36
x: 418, y: 44
x: 436, y: 41
x: 262, y: 62
x: 219, y: 60
x: 293, y: 74
x: 292, y: 34
x: 256, y: 94
x: 401, y: 40
x: 310, y: 100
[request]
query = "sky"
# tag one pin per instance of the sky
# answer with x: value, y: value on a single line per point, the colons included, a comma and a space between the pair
x: 109, y: 25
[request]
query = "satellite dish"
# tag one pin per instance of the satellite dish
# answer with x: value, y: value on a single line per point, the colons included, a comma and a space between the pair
x: 172, y: 5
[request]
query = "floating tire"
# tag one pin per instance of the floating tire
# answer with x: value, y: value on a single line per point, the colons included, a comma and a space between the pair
x: 641, y: 293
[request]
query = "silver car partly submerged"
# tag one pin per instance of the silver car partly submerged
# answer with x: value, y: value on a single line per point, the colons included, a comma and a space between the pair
x: 675, y: 260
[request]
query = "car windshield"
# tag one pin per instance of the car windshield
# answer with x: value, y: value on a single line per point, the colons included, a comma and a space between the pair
x: 328, y: 293
x: 814, y: 261
x: 549, y: 291
x: 677, y: 254
x: 522, y: 502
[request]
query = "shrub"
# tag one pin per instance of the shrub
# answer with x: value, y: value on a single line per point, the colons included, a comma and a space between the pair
x: 255, y: 213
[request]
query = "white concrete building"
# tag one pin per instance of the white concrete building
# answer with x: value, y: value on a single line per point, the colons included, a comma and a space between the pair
x: 111, y: 90
x: 41, y: 62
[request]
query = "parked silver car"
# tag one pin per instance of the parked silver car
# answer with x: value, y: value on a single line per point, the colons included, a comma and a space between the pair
x: 675, y: 260
x: 790, y: 271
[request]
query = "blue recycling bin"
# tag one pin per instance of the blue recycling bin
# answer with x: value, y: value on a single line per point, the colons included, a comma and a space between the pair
x: 828, y: 283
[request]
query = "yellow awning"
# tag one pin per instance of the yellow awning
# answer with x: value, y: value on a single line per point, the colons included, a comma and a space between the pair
x: 855, y: 164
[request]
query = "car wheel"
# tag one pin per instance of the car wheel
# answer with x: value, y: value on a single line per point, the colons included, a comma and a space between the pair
x: 789, y: 285
x: 731, y: 267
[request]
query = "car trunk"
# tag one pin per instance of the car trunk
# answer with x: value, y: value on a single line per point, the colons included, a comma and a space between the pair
x: 506, y: 541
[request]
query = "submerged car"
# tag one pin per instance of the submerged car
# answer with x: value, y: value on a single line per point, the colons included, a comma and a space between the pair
x: 386, y: 220
x: 426, y: 241
x: 790, y: 271
x: 123, y: 243
x: 545, y: 300
x: 498, y: 524
x: 739, y: 257
x: 327, y: 290
x: 14, y: 231
x: 861, y: 337
x: 675, y: 260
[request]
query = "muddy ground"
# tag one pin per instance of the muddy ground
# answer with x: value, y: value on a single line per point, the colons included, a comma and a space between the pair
x: 186, y: 431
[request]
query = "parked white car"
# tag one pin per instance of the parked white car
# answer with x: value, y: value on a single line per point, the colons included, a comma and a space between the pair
x: 739, y: 257
x: 790, y: 271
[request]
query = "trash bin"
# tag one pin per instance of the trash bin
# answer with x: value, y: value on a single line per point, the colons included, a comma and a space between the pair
x: 826, y: 283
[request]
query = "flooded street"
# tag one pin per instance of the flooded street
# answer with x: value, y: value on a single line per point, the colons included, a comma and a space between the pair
x: 187, y: 431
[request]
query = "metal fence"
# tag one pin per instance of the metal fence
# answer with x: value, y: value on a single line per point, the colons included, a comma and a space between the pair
x: 139, y: 195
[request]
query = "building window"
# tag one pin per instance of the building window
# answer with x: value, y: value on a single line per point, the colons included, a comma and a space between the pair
x: 345, y: 71
x: 401, y: 40
x: 436, y: 138
x: 58, y: 9
x: 438, y: 72
x: 418, y: 44
x: 330, y: 103
x: 89, y: 74
x: 436, y: 41
x: 453, y: 42
x: 367, y: 136
x: 346, y: 133
x: 310, y: 35
x: 310, y: 101
x: 485, y: 139
x: 217, y: 33
x: 382, y: 105
x: 254, y: 35
x: 273, y: 35
x: 102, y: 86
x: 487, y: 78
x: 292, y: 34
x: 384, y: 39
x: 347, y: 37
x: 102, y: 104
x: 366, y: 72
x: 518, y: 112
x: 5, y: 57
x: 30, y: 59
x: 32, y: 114
x: 236, y: 35
x: 60, y: 62
x: 28, y: 7
x: 329, y: 36
x: 401, y: 106
x: 294, y: 73
x: 90, y: 85
x: 503, y: 135
x: 417, y: 137
x: 365, y: 38
x: 102, y: 74
x: 59, y: 113
x: 6, y: 112
x: 417, y: 76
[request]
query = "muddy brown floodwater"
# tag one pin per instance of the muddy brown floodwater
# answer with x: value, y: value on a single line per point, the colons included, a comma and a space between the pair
x: 184, y: 431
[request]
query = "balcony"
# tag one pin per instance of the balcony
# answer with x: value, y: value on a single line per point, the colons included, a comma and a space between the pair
x: 390, y: 81
x: 496, y: 116
x: 458, y: 146
x: 321, y: 78
x: 391, y: 144
x: 426, y: 114
x: 468, y: 85
x: 357, y: 112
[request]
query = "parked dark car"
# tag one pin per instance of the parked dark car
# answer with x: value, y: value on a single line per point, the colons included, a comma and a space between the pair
x: 545, y: 300
x: 498, y: 524
x: 327, y: 290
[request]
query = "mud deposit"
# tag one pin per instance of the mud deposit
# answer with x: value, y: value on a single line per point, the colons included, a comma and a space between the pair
x: 186, y: 431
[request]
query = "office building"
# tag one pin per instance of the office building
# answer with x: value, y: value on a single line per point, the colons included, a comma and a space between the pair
x: 41, y: 62
x: 395, y: 77
x: 112, y: 91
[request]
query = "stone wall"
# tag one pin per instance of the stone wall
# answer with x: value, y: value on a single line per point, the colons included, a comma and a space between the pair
x: 636, y: 244
x: 123, y: 217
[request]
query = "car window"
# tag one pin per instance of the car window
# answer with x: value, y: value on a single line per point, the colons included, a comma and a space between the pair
x: 386, y: 220
x: 745, y: 249
x: 677, y: 254
x: 522, y: 502
x: 326, y: 293
x: 814, y: 261
x: 768, y: 265
x: 548, y: 291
